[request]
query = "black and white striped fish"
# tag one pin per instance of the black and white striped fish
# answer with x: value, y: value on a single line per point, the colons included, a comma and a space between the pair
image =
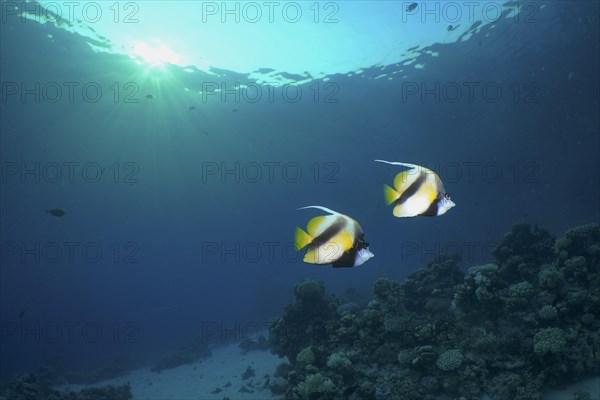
x: 417, y: 191
x: 334, y: 239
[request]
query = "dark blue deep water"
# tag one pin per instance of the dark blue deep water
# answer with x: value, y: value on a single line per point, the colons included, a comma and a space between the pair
x: 180, y: 207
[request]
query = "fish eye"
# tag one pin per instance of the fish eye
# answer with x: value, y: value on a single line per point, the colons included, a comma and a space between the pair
x: 447, y: 196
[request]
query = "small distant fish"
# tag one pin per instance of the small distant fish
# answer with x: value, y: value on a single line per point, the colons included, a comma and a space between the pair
x: 452, y: 28
x: 571, y: 75
x: 57, y: 212
x: 191, y: 108
x: 205, y: 132
x: 21, y: 314
x: 418, y: 191
x: 235, y: 110
x: 411, y: 7
x: 149, y: 96
x: 334, y: 239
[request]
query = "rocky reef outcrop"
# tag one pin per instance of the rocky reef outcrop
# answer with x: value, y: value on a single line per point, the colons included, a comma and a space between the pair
x: 509, y: 329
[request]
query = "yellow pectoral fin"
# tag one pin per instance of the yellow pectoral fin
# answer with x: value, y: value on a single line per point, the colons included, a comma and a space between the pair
x: 390, y: 195
x: 301, y: 238
x: 429, y: 191
x: 344, y: 239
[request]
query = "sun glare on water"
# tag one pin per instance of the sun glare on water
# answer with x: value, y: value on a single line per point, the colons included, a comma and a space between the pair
x: 154, y: 55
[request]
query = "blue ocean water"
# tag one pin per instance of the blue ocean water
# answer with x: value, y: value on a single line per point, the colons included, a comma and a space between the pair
x: 180, y: 185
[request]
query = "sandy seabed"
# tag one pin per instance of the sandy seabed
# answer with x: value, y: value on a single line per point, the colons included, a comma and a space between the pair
x: 216, y: 377
x: 220, y: 376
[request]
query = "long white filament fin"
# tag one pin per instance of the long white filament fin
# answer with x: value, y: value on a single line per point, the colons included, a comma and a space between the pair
x: 400, y: 163
x: 320, y: 208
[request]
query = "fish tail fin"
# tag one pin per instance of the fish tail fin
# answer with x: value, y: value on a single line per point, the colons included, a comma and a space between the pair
x: 390, y: 194
x: 301, y: 238
x: 320, y: 208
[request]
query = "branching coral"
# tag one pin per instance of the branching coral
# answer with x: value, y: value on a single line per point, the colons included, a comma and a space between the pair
x: 547, y: 312
x: 481, y: 293
x: 520, y: 295
x: 316, y: 386
x: 549, y: 340
x: 339, y: 362
x: 449, y: 360
x: 306, y: 356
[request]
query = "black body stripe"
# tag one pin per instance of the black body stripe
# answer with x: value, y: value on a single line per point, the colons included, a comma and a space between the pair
x: 359, y: 242
x: 346, y: 260
x: 329, y: 233
x: 432, y: 210
x: 412, y: 189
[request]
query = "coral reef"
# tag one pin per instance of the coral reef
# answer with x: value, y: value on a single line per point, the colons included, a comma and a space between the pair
x: 301, y: 323
x: 523, y: 250
x: 508, y: 329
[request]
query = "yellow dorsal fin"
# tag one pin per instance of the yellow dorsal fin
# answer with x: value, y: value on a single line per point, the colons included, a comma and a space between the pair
x: 390, y: 194
x: 314, y: 225
x: 301, y: 238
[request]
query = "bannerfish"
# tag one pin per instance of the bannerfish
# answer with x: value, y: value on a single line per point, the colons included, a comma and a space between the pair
x: 334, y: 239
x: 57, y: 212
x: 417, y: 191
x: 411, y: 7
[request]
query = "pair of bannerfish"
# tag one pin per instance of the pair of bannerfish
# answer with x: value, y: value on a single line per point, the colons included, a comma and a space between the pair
x: 339, y: 240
